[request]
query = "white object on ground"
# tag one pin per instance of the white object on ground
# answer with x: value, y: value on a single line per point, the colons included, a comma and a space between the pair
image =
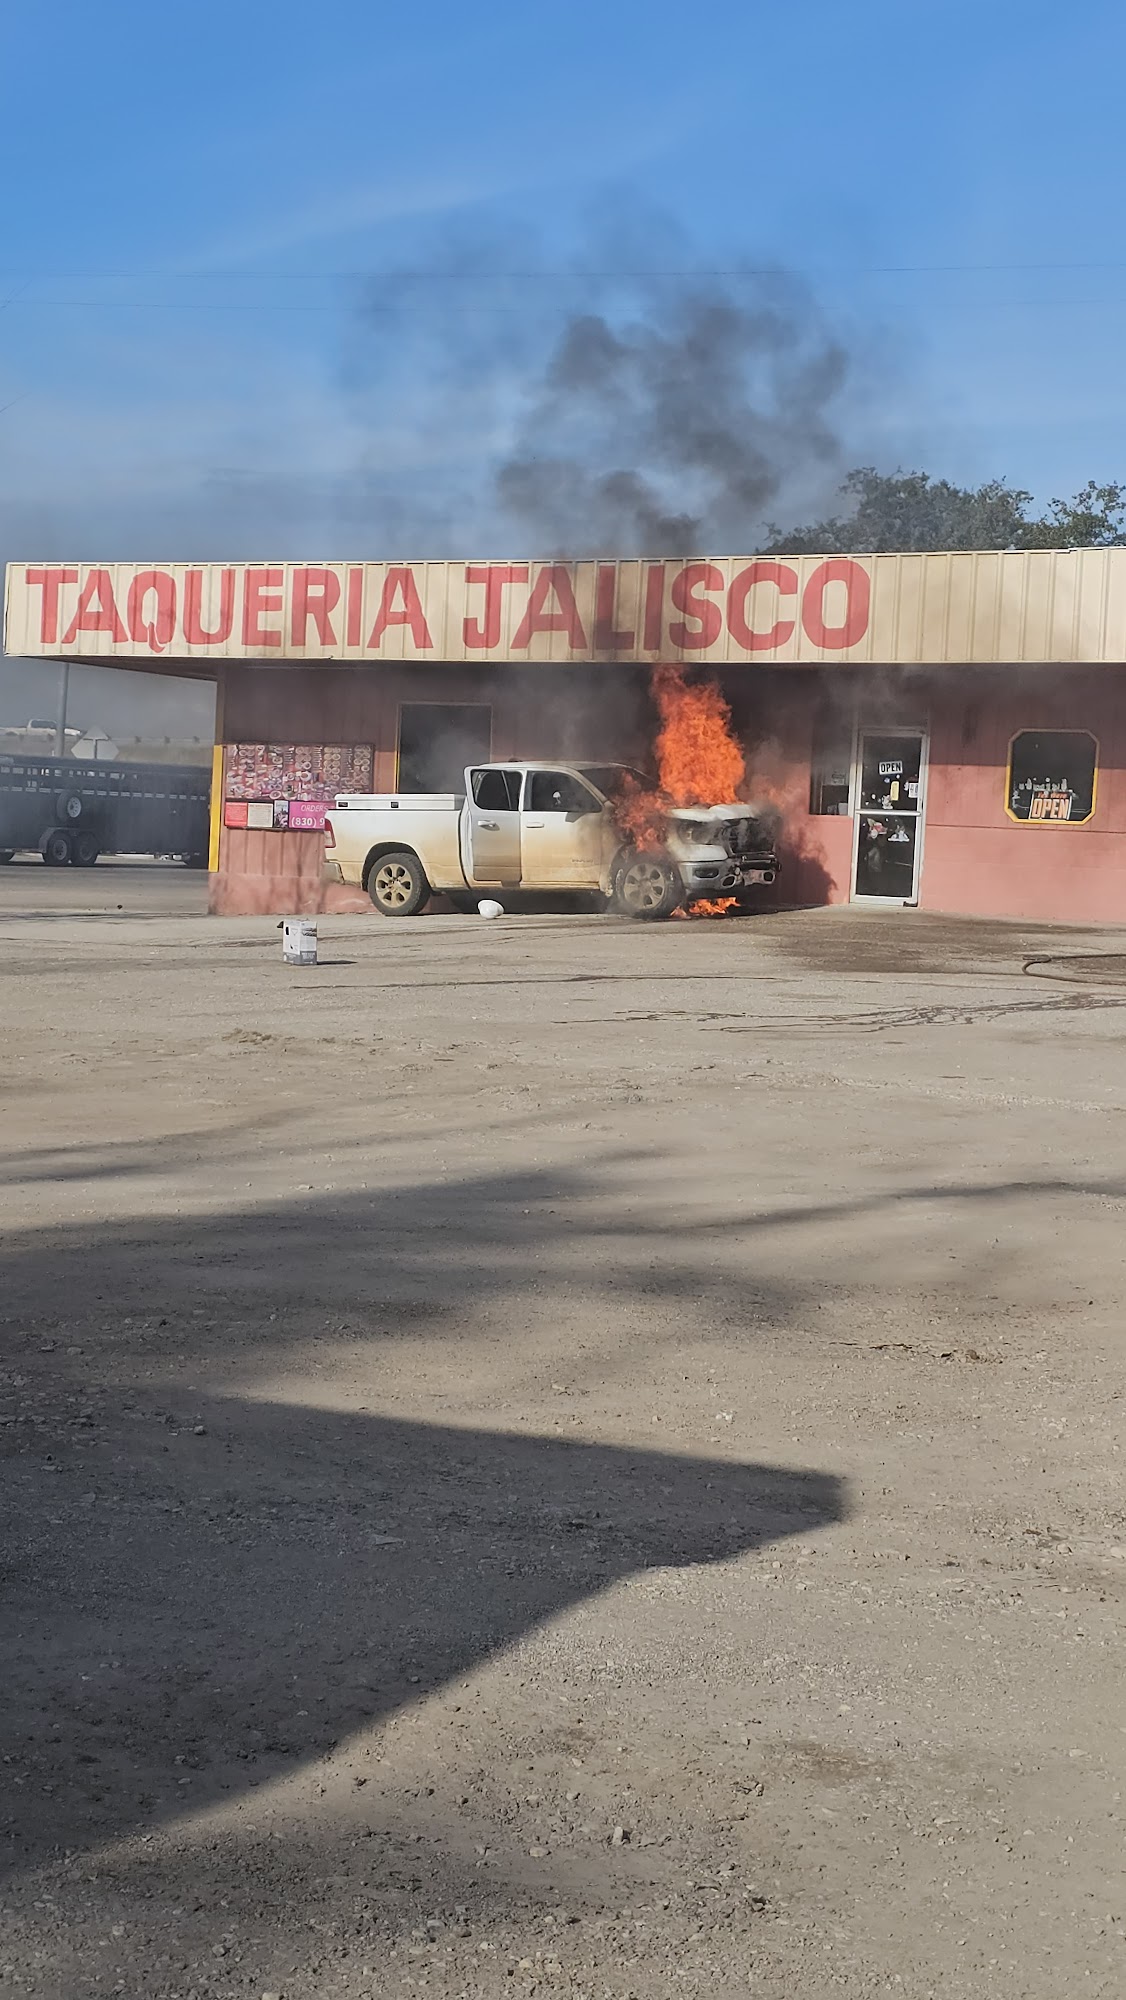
x: 299, y: 941
x: 490, y: 909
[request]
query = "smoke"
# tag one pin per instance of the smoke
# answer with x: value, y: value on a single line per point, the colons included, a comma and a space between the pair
x: 615, y: 394
x: 678, y: 428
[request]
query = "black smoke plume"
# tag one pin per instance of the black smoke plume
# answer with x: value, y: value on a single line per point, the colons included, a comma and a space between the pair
x: 678, y: 427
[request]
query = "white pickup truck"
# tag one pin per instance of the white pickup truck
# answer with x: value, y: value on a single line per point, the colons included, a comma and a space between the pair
x: 542, y: 828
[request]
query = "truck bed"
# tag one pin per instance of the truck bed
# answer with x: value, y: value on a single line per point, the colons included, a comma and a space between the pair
x: 404, y: 802
x: 429, y: 824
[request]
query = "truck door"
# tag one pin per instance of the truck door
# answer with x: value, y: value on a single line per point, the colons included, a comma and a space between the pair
x: 492, y: 811
x: 561, y: 836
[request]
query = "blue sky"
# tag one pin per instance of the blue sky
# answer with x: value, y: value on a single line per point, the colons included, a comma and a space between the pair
x: 209, y: 343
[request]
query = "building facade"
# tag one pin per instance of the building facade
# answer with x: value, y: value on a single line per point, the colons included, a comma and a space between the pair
x: 947, y: 731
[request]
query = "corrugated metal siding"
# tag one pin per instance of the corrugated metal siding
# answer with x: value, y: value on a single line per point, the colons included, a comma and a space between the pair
x: 1034, y: 606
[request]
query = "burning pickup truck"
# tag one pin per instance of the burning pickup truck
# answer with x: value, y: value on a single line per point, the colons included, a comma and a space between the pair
x: 545, y: 828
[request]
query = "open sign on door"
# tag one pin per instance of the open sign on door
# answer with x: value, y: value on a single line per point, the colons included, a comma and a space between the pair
x: 891, y: 767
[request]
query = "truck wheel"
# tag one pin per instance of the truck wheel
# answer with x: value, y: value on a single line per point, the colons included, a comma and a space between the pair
x: 647, y: 886
x: 83, y: 850
x: 397, y: 885
x: 68, y: 806
x: 55, y: 847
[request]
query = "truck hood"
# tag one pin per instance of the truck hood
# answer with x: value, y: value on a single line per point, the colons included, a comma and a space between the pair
x: 707, y: 815
x: 699, y: 831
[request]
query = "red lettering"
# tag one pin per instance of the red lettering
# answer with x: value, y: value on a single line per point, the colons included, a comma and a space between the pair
x: 156, y: 632
x: 354, y: 607
x: 481, y: 635
x: 316, y: 593
x: 97, y: 611
x: 606, y: 638
x: 262, y: 596
x: 706, y: 624
x: 195, y: 631
x: 552, y: 581
x: 400, y: 583
x: 50, y: 582
x: 785, y: 581
x: 859, y: 593
x: 654, y: 607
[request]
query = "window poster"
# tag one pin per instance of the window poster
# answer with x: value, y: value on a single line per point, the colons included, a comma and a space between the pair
x: 1051, y: 778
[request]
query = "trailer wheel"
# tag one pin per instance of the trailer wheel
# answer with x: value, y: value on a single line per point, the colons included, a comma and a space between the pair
x: 55, y: 847
x: 397, y: 885
x: 647, y: 886
x: 6, y: 854
x: 68, y: 806
x: 84, y: 850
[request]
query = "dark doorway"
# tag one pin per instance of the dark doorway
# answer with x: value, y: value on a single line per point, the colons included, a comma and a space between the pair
x: 436, y: 742
x: 889, y: 815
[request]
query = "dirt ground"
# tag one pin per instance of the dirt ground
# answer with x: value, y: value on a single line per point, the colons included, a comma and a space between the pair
x: 559, y: 1457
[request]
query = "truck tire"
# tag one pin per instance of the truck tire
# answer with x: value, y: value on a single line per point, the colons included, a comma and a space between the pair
x: 68, y: 807
x: 647, y: 886
x: 84, y: 850
x: 55, y: 847
x: 397, y: 885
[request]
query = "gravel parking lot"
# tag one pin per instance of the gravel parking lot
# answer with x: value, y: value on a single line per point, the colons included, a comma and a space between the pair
x: 559, y: 1457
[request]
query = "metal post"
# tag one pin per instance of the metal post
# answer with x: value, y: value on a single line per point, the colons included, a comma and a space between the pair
x: 64, y: 692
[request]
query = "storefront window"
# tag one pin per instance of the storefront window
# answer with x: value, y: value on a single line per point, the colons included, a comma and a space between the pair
x: 830, y: 764
x: 437, y: 740
x: 1051, y: 776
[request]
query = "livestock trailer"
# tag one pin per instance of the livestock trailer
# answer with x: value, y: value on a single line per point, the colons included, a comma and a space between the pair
x: 71, y: 811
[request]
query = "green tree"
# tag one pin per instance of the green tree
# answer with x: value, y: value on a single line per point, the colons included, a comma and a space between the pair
x: 910, y: 510
x: 1092, y: 520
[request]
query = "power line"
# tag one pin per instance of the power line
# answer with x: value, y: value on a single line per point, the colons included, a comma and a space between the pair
x: 486, y: 307
x: 579, y: 276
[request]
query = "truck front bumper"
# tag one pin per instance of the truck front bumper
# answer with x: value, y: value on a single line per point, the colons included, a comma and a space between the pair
x: 727, y: 877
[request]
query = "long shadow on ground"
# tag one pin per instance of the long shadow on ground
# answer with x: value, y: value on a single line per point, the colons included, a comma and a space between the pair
x: 212, y: 1609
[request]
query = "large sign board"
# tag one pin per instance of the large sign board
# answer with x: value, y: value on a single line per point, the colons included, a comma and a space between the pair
x: 1008, y: 606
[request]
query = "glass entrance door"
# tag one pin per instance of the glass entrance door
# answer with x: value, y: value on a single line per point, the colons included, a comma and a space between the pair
x: 889, y: 815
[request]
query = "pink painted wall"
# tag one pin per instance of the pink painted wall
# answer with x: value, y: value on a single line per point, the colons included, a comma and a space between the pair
x: 978, y: 861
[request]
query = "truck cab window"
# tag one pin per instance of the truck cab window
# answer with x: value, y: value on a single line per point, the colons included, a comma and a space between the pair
x: 496, y: 791
x: 558, y: 791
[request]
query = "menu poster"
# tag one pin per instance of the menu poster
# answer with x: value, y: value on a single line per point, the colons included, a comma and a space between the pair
x: 306, y: 771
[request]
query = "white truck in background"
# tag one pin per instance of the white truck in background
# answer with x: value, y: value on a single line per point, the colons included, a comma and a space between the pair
x: 543, y: 828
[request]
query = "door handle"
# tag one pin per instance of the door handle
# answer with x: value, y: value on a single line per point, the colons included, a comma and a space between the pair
x: 489, y: 825
x: 534, y: 822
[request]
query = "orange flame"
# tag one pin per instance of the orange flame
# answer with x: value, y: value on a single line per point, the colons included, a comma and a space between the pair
x: 699, y: 763
x: 718, y: 908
